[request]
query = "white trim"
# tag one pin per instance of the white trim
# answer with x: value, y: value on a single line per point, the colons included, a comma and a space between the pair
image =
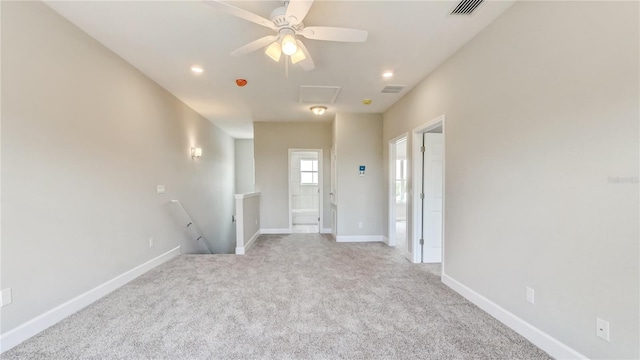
x: 275, y: 231
x: 544, y: 341
x: 248, y: 195
x: 252, y: 241
x: 241, y: 250
x: 325, y: 231
x: 416, y: 177
x: 407, y: 255
x: 360, y: 238
x: 41, y: 322
x: 320, y: 186
x: 391, y: 228
x: 386, y: 241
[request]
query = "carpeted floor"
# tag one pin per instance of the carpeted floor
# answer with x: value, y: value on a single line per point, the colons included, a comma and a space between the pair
x: 299, y: 296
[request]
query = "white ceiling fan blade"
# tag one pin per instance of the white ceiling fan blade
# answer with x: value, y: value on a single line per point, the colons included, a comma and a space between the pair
x: 306, y: 64
x: 334, y: 34
x: 255, y: 45
x: 297, y: 10
x: 241, y: 13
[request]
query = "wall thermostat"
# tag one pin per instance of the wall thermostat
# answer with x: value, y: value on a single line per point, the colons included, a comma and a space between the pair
x: 361, y: 170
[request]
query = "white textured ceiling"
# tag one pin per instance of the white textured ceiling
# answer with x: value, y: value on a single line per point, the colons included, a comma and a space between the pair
x: 163, y: 39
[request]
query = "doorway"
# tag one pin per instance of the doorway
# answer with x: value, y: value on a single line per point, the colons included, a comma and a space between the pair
x: 305, y: 190
x: 428, y: 197
x: 398, y: 176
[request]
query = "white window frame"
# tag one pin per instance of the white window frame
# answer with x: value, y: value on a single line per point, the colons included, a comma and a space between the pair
x: 312, y: 172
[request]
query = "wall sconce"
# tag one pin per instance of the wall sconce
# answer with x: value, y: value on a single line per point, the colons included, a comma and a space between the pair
x: 196, y: 153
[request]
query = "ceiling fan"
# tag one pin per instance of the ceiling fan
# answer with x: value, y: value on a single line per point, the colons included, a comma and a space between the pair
x: 286, y: 21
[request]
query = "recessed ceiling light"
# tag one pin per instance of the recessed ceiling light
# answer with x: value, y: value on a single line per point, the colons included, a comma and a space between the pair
x: 367, y: 101
x: 387, y: 74
x: 197, y: 69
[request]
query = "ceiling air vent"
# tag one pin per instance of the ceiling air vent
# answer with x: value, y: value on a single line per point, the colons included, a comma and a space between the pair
x: 466, y: 7
x: 392, y: 89
x: 312, y: 94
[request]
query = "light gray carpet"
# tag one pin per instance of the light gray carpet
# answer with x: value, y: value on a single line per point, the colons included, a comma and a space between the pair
x: 299, y: 296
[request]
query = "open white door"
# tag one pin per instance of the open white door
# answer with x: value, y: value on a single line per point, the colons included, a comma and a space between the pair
x: 305, y: 190
x: 432, y: 205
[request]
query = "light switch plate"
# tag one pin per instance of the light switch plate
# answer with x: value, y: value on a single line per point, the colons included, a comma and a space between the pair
x: 531, y: 295
x: 5, y: 298
x: 160, y: 189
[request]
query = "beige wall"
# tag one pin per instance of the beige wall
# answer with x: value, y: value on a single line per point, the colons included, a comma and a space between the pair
x: 361, y: 199
x: 247, y: 220
x: 85, y: 140
x: 244, y: 166
x: 541, y: 119
x: 271, y: 143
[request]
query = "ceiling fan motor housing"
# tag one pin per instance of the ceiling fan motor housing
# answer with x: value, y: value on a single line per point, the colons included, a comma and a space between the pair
x: 280, y: 20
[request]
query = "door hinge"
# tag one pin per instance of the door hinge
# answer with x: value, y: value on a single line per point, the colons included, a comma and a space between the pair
x: 421, y: 241
x: 318, y: 219
x: 422, y: 148
x: 421, y: 196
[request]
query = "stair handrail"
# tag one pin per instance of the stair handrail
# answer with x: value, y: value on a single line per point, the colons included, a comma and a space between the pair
x: 192, y: 226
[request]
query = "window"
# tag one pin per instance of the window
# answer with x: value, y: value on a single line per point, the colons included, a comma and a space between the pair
x: 309, y: 172
x: 401, y: 181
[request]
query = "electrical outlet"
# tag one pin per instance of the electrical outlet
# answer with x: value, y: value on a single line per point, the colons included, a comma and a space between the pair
x: 531, y: 295
x: 160, y: 189
x: 602, y: 329
x: 5, y: 297
x: 360, y: 225
x: 150, y: 242
x: 256, y: 221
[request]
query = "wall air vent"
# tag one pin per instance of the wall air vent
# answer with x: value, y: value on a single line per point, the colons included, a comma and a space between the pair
x: 466, y: 7
x: 392, y: 89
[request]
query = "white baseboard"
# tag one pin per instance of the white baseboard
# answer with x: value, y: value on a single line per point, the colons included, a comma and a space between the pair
x: 390, y: 242
x: 386, y: 241
x: 359, y: 238
x: 275, y: 231
x: 325, y: 231
x: 538, y: 337
x: 408, y: 255
x: 252, y: 241
x: 241, y: 250
x: 32, y: 327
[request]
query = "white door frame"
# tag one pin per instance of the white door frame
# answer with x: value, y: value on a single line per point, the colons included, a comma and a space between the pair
x: 320, y: 187
x: 416, y: 159
x: 392, y: 190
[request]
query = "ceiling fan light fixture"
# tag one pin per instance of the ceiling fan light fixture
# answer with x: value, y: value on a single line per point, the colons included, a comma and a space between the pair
x: 318, y: 110
x: 298, y: 56
x: 274, y: 51
x: 289, y: 46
